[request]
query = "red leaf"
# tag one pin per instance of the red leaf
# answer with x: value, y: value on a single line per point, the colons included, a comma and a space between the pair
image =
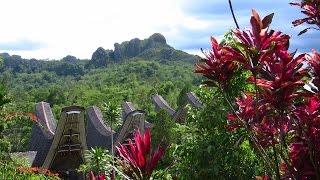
x: 257, y: 18
x: 256, y: 28
x: 303, y: 31
x: 313, y: 104
x: 138, y: 153
x: 91, y: 176
x: 267, y: 21
x: 231, y: 117
x: 147, y: 140
x: 154, y: 159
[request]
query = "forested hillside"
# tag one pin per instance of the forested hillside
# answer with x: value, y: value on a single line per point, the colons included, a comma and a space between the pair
x: 132, y: 81
x: 153, y: 48
x: 133, y: 71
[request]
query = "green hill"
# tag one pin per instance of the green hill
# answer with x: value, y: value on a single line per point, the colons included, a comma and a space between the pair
x: 133, y: 71
x: 153, y: 48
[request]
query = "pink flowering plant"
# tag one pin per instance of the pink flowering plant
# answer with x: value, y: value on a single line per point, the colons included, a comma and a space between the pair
x: 311, y: 11
x: 280, y: 108
x: 139, y: 160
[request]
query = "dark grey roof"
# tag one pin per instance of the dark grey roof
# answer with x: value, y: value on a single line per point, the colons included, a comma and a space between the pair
x: 134, y: 120
x: 147, y: 125
x: 194, y: 100
x: 127, y: 108
x: 45, y: 116
x: 180, y: 115
x: 98, y: 133
x: 160, y: 103
x: 44, y: 136
x: 41, y: 143
x: 42, y: 133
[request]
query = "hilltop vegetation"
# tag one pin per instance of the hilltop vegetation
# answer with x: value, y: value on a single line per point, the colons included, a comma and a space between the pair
x: 153, y: 48
x: 154, y: 68
x: 132, y: 81
x: 133, y: 71
x: 257, y: 121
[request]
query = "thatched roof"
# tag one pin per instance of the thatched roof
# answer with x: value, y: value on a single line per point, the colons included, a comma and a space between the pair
x: 42, y: 132
x: 160, y: 103
x: 98, y: 133
x: 134, y: 120
x: 194, y: 100
x: 59, y: 145
x: 147, y: 125
x: 127, y: 107
x: 182, y: 111
x: 180, y: 115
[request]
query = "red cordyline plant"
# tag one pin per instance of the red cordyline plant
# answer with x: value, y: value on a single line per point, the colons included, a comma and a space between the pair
x: 314, y: 62
x: 310, y: 8
x: 218, y: 65
x: 97, y: 177
x: 281, y: 117
x: 139, y: 156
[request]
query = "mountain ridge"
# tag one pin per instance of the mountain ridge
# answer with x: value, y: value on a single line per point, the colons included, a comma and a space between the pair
x: 154, y: 48
x: 128, y: 49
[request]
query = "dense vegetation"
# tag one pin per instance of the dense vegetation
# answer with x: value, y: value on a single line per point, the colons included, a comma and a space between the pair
x: 132, y: 81
x: 73, y: 81
x: 90, y: 82
x: 257, y: 121
x: 154, y: 67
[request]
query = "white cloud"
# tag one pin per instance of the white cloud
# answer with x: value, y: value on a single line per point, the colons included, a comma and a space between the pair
x: 78, y: 27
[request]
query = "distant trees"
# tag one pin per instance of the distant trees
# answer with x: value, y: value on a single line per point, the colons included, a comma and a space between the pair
x: 153, y: 48
x: 66, y: 67
x: 132, y: 81
x: 162, y: 130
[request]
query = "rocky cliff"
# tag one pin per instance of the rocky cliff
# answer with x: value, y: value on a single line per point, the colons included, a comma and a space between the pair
x: 153, y: 48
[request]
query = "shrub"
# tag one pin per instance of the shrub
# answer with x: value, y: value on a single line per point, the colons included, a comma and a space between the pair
x: 280, y: 116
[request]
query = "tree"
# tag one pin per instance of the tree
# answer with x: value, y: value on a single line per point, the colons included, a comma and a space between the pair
x: 182, y: 98
x: 112, y: 112
x: 162, y: 129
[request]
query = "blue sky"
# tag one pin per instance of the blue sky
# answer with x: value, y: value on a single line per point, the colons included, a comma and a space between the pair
x: 56, y: 28
x: 219, y: 10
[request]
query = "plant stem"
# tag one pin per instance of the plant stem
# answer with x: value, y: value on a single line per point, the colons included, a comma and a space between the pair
x: 251, y: 135
x: 284, y: 148
x: 112, y: 150
x: 234, y: 17
x: 287, y: 162
x: 276, y: 162
x: 257, y: 95
x: 310, y: 149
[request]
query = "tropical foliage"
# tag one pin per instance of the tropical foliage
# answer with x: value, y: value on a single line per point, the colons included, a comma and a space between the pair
x: 260, y: 116
x: 97, y: 161
x: 278, y: 113
x: 139, y: 158
x: 311, y: 10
